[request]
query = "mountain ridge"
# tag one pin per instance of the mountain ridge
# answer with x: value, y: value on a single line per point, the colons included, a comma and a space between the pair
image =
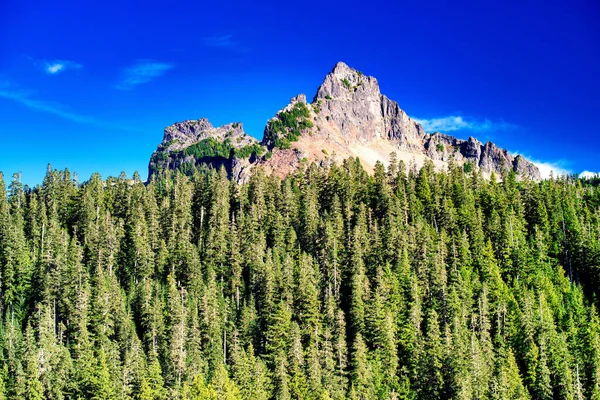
x: 348, y: 117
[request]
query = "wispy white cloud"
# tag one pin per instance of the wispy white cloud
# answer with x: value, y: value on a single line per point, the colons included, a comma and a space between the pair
x: 589, y: 174
x: 226, y: 43
x: 25, y: 98
x: 219, y: 41
x: 57, y: 66
x: 142, y: 72
x: 458, y: 123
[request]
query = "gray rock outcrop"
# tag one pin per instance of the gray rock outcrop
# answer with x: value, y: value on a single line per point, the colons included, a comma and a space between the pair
x: 348, y: 117
x: 218, y: 146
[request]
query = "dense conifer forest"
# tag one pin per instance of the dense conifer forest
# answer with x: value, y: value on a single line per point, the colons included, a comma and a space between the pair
x: 329, y: 284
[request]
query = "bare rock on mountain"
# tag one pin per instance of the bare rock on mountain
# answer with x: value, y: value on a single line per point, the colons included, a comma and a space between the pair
x: 358, y: 110
x: 399, y: 126
x: 523, y: 167
x: 442, y: 147
x: 348, y: 117
x: 182, y: 134
x: 471, y: 149
x: 197, y: 142
x: 494, y: 159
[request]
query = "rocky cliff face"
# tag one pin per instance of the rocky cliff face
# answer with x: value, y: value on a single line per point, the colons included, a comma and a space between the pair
x: 196, y: 142
x: 359, y: 110
x: 348, y: 117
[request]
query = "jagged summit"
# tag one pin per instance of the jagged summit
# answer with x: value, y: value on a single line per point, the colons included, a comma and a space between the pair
x: 194, y: 142
x: 348, y: 117
x: 345, y: 83
x: 182, y: 134
x: 342, y: 66
x: 359, y: 110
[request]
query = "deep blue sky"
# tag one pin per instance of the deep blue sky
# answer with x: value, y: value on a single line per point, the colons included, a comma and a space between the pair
x: 91, y: 87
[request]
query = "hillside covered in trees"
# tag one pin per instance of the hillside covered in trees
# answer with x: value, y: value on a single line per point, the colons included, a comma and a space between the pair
x: 328, y: 284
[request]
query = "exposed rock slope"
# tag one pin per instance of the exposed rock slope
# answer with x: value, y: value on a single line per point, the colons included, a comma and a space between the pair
x: 348, y: 117
x: 194, y: 142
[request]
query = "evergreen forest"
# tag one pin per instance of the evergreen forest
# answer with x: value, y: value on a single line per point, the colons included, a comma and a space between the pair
x: 330, y: 284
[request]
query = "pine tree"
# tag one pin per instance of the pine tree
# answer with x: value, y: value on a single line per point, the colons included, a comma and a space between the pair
x: 250, y: 374
x: 430, y: 371
x: 176, y: 311
x: 329, y: 284
x: 362, y: 374
x: 223, y: 387
x: 33, y: 386
x: 197, y: 389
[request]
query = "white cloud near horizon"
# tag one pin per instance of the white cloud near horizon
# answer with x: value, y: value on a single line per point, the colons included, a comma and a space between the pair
x: 453, y: 123
x: 548, y: 168
x: 589, y: 174
x: 57, y: 66
x: 142, y: 72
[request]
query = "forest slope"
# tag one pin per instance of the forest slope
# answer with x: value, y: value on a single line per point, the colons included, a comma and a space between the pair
x: 328, y: 284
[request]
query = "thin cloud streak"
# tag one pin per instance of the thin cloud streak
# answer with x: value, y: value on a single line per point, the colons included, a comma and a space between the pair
x: 24, y: 98
x: 457, y: 123
x: 219, y: 41
x: 142, y: 72
x: 225, y: 43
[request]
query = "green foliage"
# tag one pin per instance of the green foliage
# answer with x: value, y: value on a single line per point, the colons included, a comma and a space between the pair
x: 209, y: 148
x: 212, y: 148
x: 160, y: 157
x: 169, y: 143
x: 347, y: 83
x: 328, y: 284
x: 328, y: 97
x: 248, y: 150
x: 440, y: 147
x: 467, y: 167
x: 288, y: 126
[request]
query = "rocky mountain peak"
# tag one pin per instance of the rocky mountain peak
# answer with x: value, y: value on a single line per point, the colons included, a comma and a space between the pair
x: 194, y: 142
x: 341, y: 67
x: 301, y: 98
x: 345, y: 83
x: 182, y: 134
x: 356, y: 107
x: 348, y: 117
x: 186, y: 132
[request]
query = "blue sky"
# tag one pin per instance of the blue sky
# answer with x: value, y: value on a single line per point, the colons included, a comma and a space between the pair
x: 91, y: 87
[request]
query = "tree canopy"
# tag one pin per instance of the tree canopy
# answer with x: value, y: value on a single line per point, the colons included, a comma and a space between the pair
x: 329, y: 284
